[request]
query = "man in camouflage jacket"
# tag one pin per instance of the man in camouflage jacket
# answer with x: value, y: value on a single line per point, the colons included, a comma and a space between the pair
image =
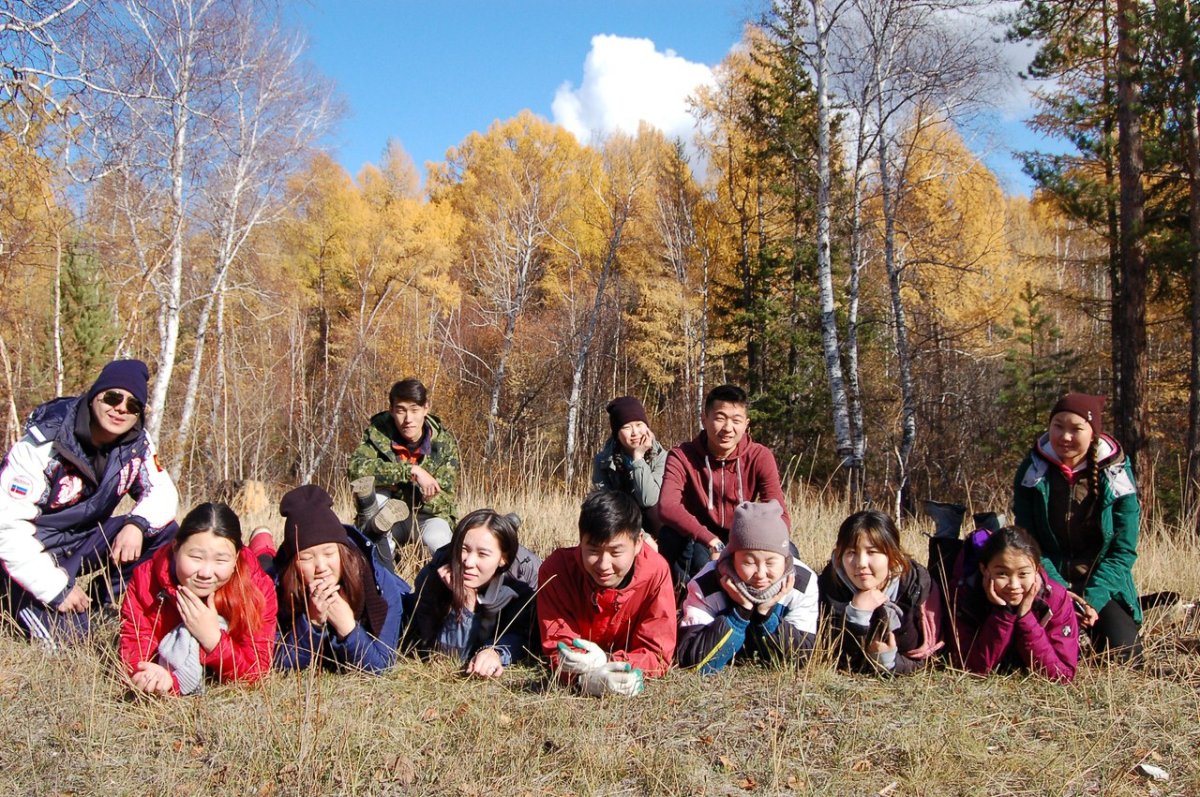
x: 405, y: 473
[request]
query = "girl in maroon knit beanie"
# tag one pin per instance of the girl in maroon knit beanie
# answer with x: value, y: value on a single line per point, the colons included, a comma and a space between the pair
x: 1076, y: 496
x: 632, y: 460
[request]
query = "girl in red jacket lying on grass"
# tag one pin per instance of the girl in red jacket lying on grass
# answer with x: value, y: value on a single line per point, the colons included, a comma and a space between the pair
x: 1008, y: 614
x: 201, y: 606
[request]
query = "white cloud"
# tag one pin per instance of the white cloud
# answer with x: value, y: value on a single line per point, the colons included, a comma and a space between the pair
x: 626, y: 81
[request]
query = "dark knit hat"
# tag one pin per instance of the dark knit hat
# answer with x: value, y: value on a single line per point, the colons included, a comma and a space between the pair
x: 759, y: 527
x: 623, y: 410
x: 309, y: 520
x: 129, y: 375
x: 1088, y: 407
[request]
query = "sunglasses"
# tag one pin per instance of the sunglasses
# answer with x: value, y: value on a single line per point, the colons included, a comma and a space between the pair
x: 115, y: 399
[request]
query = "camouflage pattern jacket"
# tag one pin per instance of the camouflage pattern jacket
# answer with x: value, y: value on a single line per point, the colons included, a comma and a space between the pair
x: 375, y: 457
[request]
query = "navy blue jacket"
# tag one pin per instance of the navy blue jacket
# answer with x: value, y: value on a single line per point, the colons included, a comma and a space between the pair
x: 503, y: 616
x: 52, y: 500
x: 299, y: 642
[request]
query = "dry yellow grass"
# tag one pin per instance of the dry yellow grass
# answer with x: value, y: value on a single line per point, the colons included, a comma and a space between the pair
x: 70, y: 727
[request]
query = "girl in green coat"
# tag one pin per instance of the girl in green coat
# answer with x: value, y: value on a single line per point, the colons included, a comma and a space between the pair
x: 1075, y: 494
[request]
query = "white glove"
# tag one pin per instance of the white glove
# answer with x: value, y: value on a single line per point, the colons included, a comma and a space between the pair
x: 616, y: 678
x: 580, y: 657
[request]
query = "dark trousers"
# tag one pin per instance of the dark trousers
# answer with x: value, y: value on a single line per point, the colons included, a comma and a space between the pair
x: 91, y: 554
x: 685, y: 556
x: 1116, y: 633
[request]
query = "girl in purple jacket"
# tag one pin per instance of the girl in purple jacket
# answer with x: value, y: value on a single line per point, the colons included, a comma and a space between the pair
x: 1007, y: 613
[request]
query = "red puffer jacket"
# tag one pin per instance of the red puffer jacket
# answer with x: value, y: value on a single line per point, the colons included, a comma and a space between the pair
x: 636, y: 623
x: 149, y: 613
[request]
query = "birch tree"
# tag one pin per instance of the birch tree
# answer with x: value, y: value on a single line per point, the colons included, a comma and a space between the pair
x: 627, y: 167
x: 924, y: 62
x: 806, y: 27
x: 155, y: 81
x: 276, y: 110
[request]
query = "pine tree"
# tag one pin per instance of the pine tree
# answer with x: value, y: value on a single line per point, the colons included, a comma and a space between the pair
x: 1037, y: 368
x: 91, y: 330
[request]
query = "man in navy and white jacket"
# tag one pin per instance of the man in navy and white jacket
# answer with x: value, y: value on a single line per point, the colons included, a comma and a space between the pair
x: 59, y: 486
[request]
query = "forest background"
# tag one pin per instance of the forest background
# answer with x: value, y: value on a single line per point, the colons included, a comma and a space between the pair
x: 828, y: 241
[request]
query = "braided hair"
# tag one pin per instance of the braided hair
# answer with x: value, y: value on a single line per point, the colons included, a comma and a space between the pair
x: 1093, y: 460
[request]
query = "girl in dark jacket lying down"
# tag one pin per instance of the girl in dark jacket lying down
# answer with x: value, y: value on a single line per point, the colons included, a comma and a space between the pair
x: 880, y: 607
x: 468, y: 604
x: 338, y: 607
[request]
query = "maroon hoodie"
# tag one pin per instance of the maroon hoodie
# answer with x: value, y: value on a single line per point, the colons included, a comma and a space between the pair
x: 699, y: 492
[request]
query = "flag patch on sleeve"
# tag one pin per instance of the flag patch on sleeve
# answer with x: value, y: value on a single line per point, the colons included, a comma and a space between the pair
x: 19, y: 486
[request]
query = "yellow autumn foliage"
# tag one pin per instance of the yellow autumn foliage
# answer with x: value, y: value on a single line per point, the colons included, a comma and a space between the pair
x: 961, y: 271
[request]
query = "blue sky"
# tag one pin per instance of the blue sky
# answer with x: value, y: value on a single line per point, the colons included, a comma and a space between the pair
x: 428, y: 74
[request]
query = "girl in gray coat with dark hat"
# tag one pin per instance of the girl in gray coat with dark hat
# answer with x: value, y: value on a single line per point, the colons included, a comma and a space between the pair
x: 632, y: 460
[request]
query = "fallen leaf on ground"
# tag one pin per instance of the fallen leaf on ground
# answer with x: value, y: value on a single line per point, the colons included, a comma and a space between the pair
x: 862, y: 765
x: 399, y: 770
x: 430, y: 715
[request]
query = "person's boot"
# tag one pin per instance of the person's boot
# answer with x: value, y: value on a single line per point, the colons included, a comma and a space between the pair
x: 392, y: 512
x: 992, y: 521
x: 372, y: 518
x: 365, y: 505
x: 947, y: 518
x: 944, y: 545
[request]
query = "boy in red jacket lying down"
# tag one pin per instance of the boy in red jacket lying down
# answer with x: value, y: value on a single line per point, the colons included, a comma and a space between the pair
x: 606, y: 607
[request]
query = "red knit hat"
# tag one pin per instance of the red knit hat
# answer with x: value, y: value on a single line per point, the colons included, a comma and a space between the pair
x: 1086, y: 406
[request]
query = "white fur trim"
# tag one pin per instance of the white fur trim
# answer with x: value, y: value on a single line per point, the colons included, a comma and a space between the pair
x: 1119, y: 482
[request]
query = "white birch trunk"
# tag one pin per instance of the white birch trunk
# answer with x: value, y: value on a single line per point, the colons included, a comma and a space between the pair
x: 57, y: 332
x: 829, y: 329
x: 620, y: 216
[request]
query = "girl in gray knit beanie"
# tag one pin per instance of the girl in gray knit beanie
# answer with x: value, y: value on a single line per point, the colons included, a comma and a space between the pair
x: 756, y: 601
x: 756, y: 560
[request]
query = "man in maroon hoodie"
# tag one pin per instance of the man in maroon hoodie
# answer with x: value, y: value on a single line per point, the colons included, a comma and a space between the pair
x: 707, y: 478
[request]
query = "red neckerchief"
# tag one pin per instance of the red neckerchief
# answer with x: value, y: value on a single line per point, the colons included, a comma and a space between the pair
x: 415, y: 452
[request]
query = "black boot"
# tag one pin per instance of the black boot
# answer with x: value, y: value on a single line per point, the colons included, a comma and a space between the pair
x: 947, y: 518
x: 992, y: 521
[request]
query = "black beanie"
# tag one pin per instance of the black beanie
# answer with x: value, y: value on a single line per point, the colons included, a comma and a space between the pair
x: 129, y: 375
x: 308, y: 520
x: 623, y: 410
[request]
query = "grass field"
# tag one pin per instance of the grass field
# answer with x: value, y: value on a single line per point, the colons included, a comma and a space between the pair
x: 69, y: 727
